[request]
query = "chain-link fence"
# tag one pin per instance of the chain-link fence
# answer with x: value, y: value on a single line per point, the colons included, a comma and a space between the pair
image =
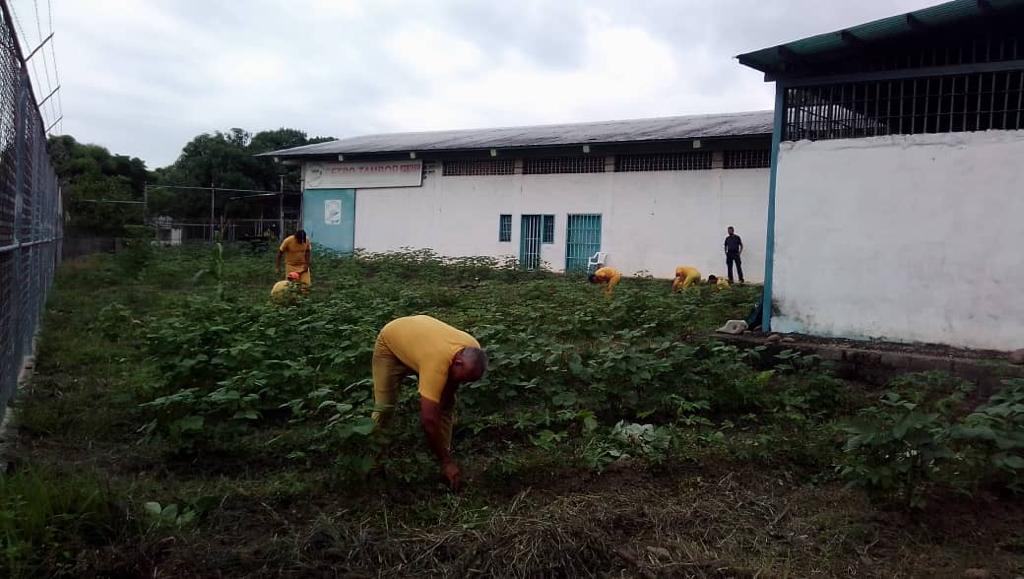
x: 30, y: 212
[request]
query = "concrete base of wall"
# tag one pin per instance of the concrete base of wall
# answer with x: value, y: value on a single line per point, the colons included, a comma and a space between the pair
x: 877, y: 363
x: 8, y: 423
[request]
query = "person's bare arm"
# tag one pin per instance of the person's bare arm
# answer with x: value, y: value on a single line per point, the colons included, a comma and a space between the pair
x: 431, y: 419
x: 309, y: 255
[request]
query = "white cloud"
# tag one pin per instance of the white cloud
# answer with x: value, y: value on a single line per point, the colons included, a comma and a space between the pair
x: 143, y: 76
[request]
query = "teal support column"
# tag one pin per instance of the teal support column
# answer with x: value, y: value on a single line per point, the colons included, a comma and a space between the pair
x: 769, y: 250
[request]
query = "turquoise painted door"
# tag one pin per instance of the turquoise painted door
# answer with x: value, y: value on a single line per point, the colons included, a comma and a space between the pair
x: 329, y: 218
x: 582, y: 241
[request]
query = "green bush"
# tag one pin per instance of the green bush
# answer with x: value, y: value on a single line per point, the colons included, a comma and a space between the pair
x: 44, y: 516
x: 897, y: 447
x: 995, y: 431
x: 924, y: 436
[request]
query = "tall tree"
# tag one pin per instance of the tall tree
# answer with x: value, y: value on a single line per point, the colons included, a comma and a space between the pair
x: 90, y: 177
x: 228, y: 160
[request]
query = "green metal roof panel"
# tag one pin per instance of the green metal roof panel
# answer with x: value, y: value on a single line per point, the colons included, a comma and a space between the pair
x: 772, y: 59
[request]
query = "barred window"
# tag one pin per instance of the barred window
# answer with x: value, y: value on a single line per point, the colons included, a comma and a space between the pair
x: 942, y: 104
x: 504, y: 227
x: 563, y: 165
x: 748, y: 159
x: 472, y: 167
x: 689, y: 161
x: 548, y: 229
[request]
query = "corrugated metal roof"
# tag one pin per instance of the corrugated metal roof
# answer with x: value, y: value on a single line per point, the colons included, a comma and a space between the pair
x: 772, y: 60
x: 637, y: 130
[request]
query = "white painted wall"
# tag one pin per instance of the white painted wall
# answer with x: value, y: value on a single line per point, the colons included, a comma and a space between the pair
x: 909, y: 238
x: 651, y: 221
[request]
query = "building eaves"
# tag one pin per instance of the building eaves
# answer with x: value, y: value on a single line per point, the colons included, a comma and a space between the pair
x: 561, y: 135
x: 776, y: 60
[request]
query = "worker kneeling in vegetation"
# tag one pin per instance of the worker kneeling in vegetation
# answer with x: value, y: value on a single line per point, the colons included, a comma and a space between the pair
x: 296, y: 251
x: 444, y: 357
x: 685, y: 277
x: 608, y: 276
x: 286, y: 290
x: 718, y: 282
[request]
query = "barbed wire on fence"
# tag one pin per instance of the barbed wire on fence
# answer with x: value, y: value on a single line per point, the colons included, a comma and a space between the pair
x: 40, y: 51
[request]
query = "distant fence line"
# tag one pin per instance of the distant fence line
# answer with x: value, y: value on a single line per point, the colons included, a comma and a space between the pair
x: 31, y: 216
x: 178, y: 232
x: 78, y: 244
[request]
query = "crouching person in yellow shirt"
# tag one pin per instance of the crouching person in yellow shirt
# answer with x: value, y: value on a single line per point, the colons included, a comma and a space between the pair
x: 608, y: 276
x: 685, y: 277
x: 443, y: 357
x: 285, y: 290
x: 718, y: 282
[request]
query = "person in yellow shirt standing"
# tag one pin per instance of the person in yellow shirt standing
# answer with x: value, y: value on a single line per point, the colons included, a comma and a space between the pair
x: 296, y: 251
x: 443, y: 357
x: 685, y: 277
x: 606, y: 275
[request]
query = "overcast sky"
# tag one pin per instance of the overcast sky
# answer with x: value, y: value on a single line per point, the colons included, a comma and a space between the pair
x: 142, y: 77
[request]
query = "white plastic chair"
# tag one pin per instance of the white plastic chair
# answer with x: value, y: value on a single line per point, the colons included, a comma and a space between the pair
x: 597, y: 260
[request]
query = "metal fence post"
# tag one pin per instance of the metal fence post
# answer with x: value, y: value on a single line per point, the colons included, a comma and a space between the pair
x: 22, y: 290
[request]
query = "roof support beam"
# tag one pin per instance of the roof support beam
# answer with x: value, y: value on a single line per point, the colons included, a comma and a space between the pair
x: 915, y: 23
x: 788, y: 55
x: 997, y: 66
x: 851, y: 39
x: 790, y: 59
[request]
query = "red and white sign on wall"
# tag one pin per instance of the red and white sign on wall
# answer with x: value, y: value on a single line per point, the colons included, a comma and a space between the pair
x: 363, y: 175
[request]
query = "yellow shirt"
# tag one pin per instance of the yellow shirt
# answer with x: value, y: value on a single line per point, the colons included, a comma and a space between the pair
x: 280, y: 290
x: 685, y: 277
x: 607, y: 274
x: 294, y: 253
x: 427, y: 346
x: 610, y: 276
x: 687, y: 272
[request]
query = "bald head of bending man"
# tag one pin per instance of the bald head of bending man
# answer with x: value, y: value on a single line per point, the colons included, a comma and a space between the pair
x: 468, y: 365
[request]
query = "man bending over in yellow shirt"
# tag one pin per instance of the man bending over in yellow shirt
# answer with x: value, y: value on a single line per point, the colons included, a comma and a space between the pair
x: 606, y: 275
x: 295, y: 249
x: 444, y: 357
x: 685, y: 277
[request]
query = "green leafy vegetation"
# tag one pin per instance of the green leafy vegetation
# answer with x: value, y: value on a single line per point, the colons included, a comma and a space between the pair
x: 229, y: 434
x: 40, y: 514
x: 919, y: 434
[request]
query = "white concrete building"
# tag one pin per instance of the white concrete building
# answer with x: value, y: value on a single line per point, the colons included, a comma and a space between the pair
x: 652, y: 194
x: 897, y: 193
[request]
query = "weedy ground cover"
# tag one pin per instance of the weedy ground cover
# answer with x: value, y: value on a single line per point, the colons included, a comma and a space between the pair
x: 182, y: 425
